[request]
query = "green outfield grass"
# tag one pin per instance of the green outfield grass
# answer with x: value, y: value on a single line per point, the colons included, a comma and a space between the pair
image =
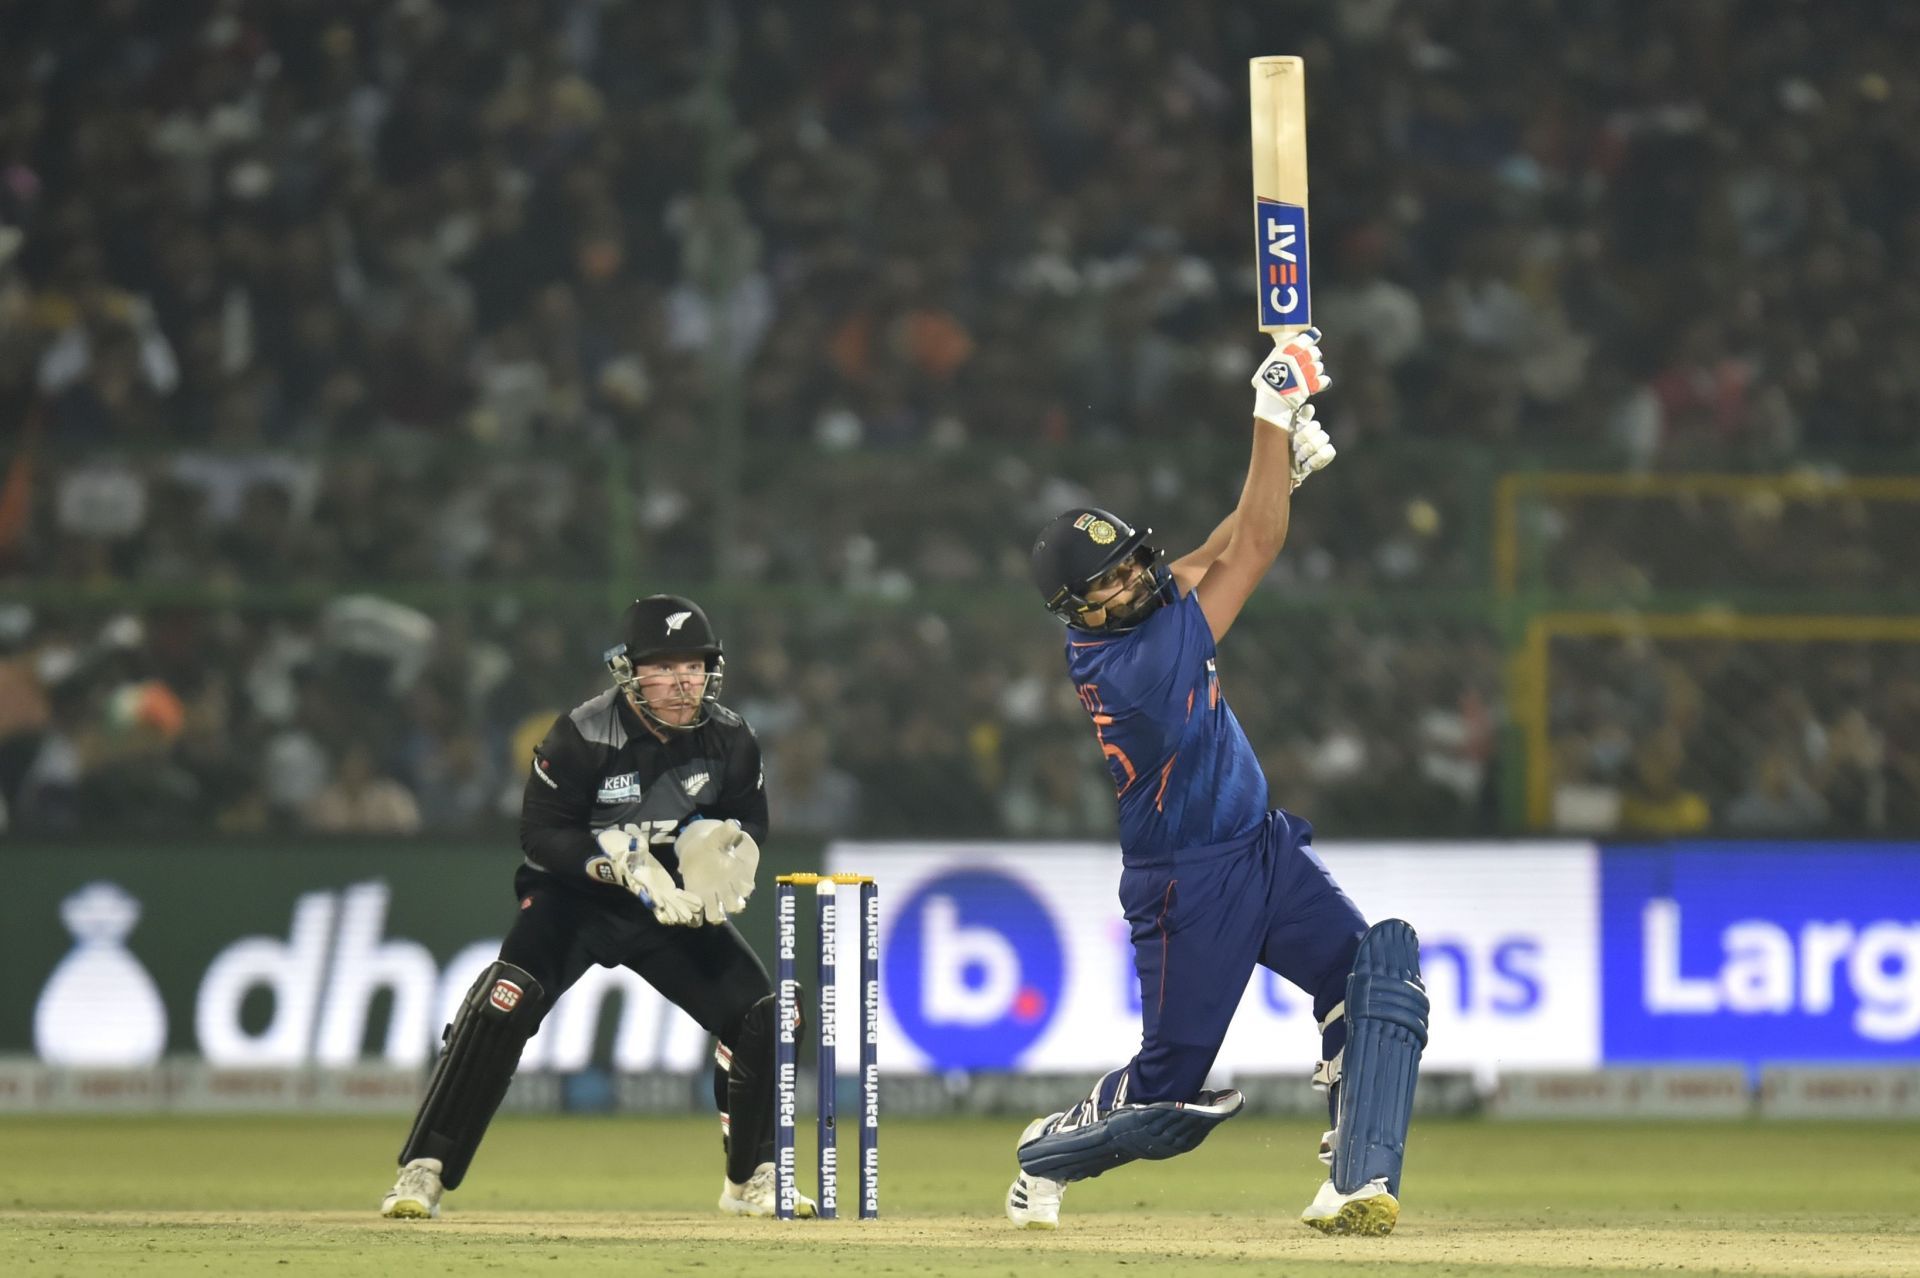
x: 635, y: 1196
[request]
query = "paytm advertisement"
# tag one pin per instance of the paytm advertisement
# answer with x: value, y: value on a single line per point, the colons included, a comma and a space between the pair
x: 1005, y: 956
x: 1761, y: 952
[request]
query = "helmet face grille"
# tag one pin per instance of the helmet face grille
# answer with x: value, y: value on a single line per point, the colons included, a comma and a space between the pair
x: 661, y: 626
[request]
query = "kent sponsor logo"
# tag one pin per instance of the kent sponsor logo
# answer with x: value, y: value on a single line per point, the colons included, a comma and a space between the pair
x: 1281, y: 235
x: 624, y: 788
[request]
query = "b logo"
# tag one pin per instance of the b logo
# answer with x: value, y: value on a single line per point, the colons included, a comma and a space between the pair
x: 505, y: 995
x: 974, y: 970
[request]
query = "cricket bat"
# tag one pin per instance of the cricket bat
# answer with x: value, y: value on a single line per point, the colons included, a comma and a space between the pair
x: 1277, y: 96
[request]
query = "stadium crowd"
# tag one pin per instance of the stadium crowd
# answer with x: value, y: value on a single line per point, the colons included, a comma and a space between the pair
x: 355, y: 355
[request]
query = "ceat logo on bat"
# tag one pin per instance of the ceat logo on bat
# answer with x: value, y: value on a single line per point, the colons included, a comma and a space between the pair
x: 505, y: 996
x: 1280, y: 232
x: 974, y: 969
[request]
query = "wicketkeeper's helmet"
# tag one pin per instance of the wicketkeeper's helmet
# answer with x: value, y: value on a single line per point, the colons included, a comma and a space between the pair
x: 660, y: 626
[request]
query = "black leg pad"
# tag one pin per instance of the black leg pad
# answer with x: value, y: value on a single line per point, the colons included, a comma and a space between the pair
x: 482, y: 1049
x: 750, y: 1091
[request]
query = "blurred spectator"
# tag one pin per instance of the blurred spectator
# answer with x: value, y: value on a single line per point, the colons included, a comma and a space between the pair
x: 1655, y: 801
x: 1054, y: 792
x: 805, y: 792
x: 1777, y: 800
x: 367, y: 350
x: 360, y: 801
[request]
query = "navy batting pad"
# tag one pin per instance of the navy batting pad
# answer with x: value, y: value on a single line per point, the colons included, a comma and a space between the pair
x: 1386, y: 1032
x: 1124, y: 1134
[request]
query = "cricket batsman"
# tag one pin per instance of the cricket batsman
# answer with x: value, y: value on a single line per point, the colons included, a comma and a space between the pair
x: 1213, y: 880
x: 641, y: 828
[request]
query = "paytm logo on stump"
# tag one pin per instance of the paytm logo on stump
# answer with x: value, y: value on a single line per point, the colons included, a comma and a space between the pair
x: 1757, y: 952
x: 974, y: 969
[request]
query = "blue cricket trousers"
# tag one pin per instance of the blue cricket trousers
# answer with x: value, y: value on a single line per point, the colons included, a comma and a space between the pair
x: 1202, y: 917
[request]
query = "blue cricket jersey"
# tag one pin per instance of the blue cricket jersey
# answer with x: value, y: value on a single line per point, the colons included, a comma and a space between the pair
x: 1185, y: 772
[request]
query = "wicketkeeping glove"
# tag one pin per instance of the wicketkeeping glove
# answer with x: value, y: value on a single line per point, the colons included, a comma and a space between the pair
x: 1286, y: 377
x: 632, y: 867
x: 718, y: 860
x: 1312, y: 450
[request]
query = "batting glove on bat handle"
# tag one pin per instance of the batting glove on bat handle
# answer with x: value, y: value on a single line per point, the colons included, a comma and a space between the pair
x: 1294, y: 370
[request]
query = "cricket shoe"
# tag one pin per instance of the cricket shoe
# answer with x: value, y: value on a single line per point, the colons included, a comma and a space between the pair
x: 756, y: 1197
x: 416, y: 1195
x: 1368, y: 1210
x: 1033, y: 1202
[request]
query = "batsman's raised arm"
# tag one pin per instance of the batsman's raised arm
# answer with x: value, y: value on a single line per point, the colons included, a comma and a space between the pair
x: 1287, y: 446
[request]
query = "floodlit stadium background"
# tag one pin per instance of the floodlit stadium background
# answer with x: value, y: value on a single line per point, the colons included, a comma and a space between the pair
x: 359, y: 361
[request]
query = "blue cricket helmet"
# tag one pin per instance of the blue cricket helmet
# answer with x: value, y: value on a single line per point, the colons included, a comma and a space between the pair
x: 1080, y: 546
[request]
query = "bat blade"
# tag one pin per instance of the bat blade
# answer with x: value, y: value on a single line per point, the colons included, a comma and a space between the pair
x: 1277, y: 102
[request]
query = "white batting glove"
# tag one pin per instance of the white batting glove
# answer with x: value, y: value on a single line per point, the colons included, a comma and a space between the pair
x: 625, y: 862
x: 718, y: 860
x: 1288, y: 376
x: 1312, y: 450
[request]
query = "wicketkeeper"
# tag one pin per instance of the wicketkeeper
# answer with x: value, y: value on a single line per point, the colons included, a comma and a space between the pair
x: 641, y: 826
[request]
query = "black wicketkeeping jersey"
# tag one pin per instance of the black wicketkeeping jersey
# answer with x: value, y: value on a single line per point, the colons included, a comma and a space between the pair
x: 600, y: 766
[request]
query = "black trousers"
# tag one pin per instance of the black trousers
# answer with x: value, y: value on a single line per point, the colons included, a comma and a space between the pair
x: 708, y: 972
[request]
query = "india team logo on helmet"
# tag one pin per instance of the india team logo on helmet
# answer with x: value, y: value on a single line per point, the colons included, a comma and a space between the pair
x: 1098, y: 530
x: 1079, y: 546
